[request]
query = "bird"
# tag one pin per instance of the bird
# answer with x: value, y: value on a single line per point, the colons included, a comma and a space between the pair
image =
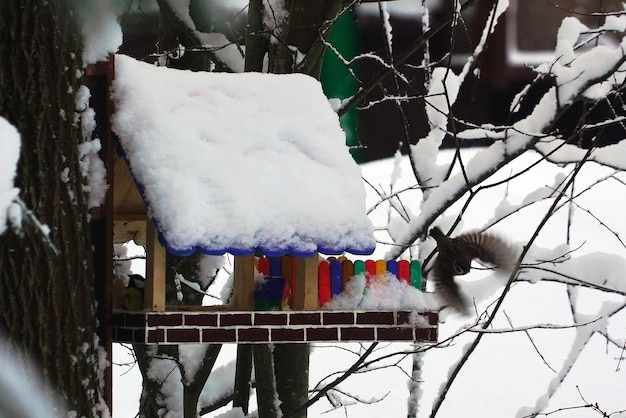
x: 134, y: 298
x: 455, y: 259
x: 128, y: 292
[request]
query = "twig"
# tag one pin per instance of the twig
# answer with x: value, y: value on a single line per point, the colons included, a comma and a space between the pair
x: 322, y: 392
x: 508, y: 318
x: 505, y: 291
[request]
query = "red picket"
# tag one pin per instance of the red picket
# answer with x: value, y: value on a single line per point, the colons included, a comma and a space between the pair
x: 370, y: 269
x: 263, y: 266
x: 323, y: 285
x: 404, y: 270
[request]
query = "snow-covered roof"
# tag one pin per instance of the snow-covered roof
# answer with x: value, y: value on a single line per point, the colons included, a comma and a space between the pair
x: 239, y: 162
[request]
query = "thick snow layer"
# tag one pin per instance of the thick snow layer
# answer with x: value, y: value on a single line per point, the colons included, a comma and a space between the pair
x: 238, y: 162
x: 101, y: 31
x: 384, y: 292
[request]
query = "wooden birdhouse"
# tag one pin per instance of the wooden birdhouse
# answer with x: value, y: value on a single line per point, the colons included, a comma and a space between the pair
x: 254, y: 165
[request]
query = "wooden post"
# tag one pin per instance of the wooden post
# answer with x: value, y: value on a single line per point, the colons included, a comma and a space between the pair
x: 154, y: 294
x: 243, y: 283
x: 99, y: 77
x: 306, y: 296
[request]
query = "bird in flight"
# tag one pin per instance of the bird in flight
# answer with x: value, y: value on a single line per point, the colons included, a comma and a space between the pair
x: 455, y: 258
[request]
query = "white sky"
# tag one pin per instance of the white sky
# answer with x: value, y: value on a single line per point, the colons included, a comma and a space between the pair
x: 505, y: 373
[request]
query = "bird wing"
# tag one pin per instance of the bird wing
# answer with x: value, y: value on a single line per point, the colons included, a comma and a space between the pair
x: 489, y: 248
x: 443, y: 277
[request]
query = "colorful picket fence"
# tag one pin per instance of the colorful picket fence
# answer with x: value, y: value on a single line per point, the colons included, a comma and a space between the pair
x: 333, y: 274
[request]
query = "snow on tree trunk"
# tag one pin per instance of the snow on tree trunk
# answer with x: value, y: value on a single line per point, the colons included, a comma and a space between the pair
x: 46, y: 276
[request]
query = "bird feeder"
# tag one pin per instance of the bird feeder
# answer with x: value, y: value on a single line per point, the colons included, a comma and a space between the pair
x: 254, y: 165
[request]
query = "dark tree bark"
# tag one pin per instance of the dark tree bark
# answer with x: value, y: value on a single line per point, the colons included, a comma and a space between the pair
x: 243, y: 375
x: 174, y: 32
x: 308, y: 24
x: 151, y: 389
x: 192, y: 388
x: 291, y: 365
x: 47, y: 303
x: 265, y: 380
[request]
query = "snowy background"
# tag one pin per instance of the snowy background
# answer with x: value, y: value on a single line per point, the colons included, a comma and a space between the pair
x: 508, y: 371
x: 557, y: 340
x: 546, y: 364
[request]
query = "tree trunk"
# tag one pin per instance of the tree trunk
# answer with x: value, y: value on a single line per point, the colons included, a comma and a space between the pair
x: 151, y: 389
x: 265, y: 380
x: 291, y: 366
x: 47, y: 303
x: 193, y: 389
x: 306, y: 20
x: 243, y: 374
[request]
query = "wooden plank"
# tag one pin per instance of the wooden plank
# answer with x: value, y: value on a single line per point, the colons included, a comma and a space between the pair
x: 288, y: 269
x: 336, y: 282
x: 381, y: 267
x: 323, y: 282
x: 108, y: 147
x: 127, y: 230
x: 263, y: 266
x: 392, y: 267
x: 370, y: 269
x: 359, y: 267
x: 100, y: 68
x: 130, y: 217
x: 108, y: 154
x: 154, y: 295
x: 275, y: 266
x: 243, y: 283
x: 404, y: 271
x: 306, y: 282
x: 126, y: 197
x: 347, y: 271
x: 416, y: 275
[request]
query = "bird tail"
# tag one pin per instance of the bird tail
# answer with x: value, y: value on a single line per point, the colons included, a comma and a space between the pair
x: 436, y: 233
x: 450, y: 294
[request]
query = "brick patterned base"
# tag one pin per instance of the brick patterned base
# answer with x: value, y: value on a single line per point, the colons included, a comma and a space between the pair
x: 274, y: 326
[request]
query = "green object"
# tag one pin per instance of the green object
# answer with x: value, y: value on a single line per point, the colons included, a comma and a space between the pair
x: 337, y: 81
x: 268, y: 294
x: 416, y: 274
x: 359, y: 267
x: 267, y: 305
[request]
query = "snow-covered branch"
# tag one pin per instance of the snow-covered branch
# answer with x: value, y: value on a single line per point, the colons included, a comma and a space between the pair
x: 574, y: 79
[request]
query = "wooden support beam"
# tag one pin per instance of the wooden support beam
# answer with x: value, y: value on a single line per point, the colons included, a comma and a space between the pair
x: 99, y: 79
x: 306, y: 296
x: 154, y: 295
x: 127, y: 228
x: 243, y: 283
